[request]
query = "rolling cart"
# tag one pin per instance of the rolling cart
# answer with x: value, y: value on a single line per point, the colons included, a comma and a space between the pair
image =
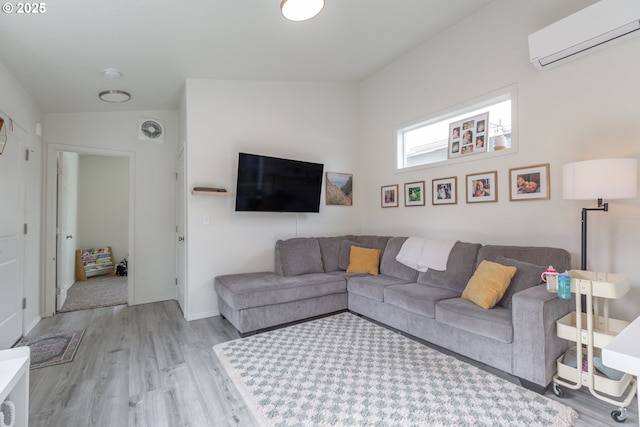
x: 591, y: 332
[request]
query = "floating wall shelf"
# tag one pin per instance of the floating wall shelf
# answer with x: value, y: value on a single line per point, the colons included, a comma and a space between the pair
x: 210, y: 191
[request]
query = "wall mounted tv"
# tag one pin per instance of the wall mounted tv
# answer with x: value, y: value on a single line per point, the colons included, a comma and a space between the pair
x: 271, y: 184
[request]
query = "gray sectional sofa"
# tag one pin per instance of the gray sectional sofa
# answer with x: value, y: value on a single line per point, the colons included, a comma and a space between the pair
x: 516, y: 336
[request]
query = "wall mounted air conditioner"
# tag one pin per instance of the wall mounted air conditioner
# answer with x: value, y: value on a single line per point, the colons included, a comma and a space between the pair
x: 584, y: 32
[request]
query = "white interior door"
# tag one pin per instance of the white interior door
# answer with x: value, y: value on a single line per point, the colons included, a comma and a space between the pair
x: 181, y: 256
x: 66, y: 219
x: 31, y: 238
x: 11, y: 289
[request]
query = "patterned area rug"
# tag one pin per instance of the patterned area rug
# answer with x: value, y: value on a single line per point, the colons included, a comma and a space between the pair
x: 54, y: 349
x: 99, y: 291
x: 346, y: 371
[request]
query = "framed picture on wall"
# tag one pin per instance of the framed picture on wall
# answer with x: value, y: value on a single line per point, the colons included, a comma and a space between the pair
x: 529, y: 183
x: 482, y: 187
x: 444, y: 191
x: 3, y: 135
x: 414, y: 194
x: 339, y: 189
x: 389, y: 196
x: 469, y: 136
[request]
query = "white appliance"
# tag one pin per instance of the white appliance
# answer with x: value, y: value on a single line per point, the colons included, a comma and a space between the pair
x: 586, y: 31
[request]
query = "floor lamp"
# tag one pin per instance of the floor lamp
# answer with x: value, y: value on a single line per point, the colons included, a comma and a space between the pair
x: 598, y: 179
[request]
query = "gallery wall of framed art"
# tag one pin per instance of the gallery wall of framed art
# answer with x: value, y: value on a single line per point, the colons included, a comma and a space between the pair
x: 525, y: 183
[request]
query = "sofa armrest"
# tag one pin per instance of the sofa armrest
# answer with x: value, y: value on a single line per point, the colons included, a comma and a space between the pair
x: 535, y: 343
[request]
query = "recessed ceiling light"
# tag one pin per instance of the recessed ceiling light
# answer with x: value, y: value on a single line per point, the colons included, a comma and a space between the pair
x: 301, y: 10
x: 114, y: 96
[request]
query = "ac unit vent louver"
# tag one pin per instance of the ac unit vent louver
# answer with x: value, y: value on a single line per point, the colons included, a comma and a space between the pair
x: 586, y: 31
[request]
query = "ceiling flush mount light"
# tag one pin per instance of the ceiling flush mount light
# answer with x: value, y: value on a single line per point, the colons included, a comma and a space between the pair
x: 301, y: 10
x: 114, y: 96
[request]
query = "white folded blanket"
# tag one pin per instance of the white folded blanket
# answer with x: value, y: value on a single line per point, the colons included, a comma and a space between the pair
x: 422, y: 254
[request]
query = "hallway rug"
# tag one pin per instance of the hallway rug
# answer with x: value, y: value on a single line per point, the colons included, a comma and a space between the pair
x: 54, y: 349
x: 96, y: 292
x: 346, y: 371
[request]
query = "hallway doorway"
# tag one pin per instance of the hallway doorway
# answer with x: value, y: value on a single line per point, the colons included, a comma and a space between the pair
x: 97, y: 214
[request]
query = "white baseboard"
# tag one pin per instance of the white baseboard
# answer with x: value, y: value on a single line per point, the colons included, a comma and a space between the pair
x: 33, y: 324
x: 157, y: 299
x: 203, y: 315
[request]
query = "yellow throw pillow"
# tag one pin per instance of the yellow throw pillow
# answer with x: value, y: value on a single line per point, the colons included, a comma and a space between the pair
x: 363, y: 260
x: 488, y: 284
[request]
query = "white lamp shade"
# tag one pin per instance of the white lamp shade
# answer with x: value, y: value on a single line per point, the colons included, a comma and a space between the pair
x: 301, y: 10
x: 600, y: 179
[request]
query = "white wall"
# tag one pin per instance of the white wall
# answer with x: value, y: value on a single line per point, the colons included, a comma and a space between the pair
x: 315, y: 122
x: 152, y: 261
x: 586, y: 109
x: 19, y: 105
x: 103, y: 205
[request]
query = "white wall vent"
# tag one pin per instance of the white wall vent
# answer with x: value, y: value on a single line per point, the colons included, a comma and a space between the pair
x: 586, y: 31
x: 151, y: 130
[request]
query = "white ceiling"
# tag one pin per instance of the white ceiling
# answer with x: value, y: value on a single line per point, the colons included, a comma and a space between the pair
x: 59, y: 55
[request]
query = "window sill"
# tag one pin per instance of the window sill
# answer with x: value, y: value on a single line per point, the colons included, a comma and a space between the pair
x: 459, y: 160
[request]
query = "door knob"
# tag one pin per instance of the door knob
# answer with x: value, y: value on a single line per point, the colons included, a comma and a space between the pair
x: 70, y: 236
x: 180, y: 239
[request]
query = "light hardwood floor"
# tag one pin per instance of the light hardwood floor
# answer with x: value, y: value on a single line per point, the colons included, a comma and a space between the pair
x: 146, y: 366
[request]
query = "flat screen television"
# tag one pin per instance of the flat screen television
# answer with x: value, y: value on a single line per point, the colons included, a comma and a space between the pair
x: 271, y: 184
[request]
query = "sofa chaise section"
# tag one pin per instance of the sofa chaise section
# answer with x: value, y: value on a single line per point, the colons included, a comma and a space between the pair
x: 308, y: 280
x: 254, y: 301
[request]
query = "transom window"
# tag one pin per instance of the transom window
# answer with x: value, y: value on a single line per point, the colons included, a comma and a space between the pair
x: 427, y: 141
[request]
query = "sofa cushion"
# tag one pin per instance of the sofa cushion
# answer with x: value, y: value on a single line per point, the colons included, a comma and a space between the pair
x: 460, y: 265
x: 345, y: 252
x: 300, y: 255
x: 527, y: 276
x: 249, y: 290
x: 372, y: 286
x: 391, y: 267
x: 363, y: 260
x: 416, y: 298
x: 347, y: 276
x: 559, y: 258
x: 463, y: 314
x: 330, y: 251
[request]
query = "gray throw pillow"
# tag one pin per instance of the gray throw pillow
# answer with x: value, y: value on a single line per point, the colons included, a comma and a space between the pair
x: 527, y: 276
x: 345, y: 252
x: 390, y: 267
x: 330, y: 251
x: 299, y: 256
x: 459, y: 270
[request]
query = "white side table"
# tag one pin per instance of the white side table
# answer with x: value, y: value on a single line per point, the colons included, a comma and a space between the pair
x: 14, y: 381
x: 623, y: 352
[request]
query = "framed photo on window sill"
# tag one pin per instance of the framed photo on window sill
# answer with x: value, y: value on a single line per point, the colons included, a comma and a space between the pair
x: 469, y: 136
